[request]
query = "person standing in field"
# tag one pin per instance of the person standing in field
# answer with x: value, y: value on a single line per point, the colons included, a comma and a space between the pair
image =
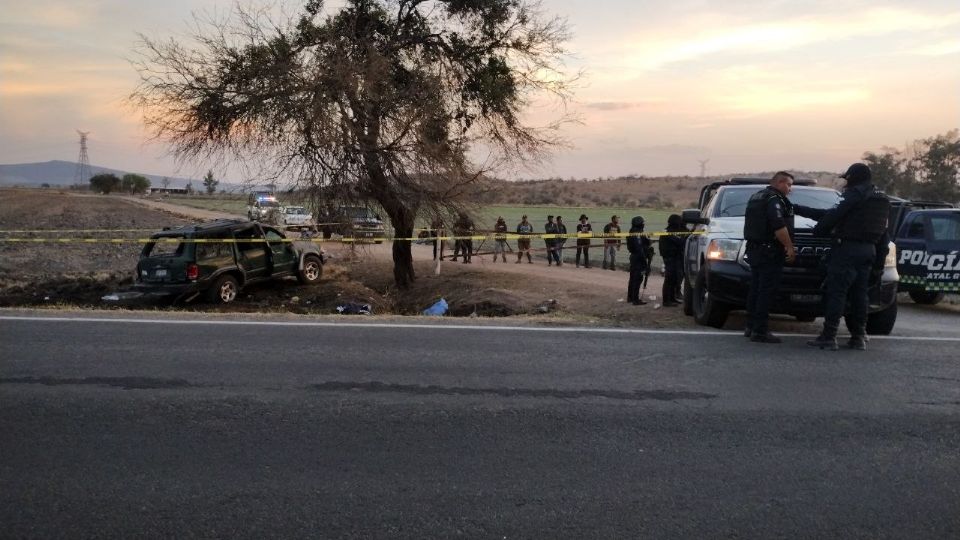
x: 436, y: 227
x: 611, y: 245
x: 671, y: 249
x: 523, y: 244
x: 551, y: 228
x: 639, y: 248
x: 500, y: 239
x: 583, y: 244
x: 561, y: 229
x: 463, y: 228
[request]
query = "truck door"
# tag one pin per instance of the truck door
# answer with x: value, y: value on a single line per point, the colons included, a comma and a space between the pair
x: 252, y: 253
x: 283, y: 254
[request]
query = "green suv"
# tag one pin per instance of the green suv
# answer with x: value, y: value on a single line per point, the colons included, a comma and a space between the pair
x: 219, y: 258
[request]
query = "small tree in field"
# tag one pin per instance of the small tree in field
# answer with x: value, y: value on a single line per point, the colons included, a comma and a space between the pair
x: 382, y: 101
x: 105, y: 183
x: 134, y: 183
x: 210, y: 183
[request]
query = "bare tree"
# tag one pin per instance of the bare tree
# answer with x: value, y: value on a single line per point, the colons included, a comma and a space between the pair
x: 402, y: 103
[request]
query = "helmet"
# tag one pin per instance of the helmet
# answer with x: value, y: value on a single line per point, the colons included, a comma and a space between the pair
x: 857, y: 173
x: 637, y: 222
x: 674, y: 221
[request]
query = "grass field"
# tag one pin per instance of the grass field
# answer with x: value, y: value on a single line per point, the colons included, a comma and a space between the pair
x: 486, y: 216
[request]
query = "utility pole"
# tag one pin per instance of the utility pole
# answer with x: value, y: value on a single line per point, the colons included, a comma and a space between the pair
x: 83, y: 162
x: 703, y: 167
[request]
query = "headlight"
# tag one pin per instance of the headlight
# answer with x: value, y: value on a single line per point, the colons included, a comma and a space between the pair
x: 723, y: 250
x: 891, y: 260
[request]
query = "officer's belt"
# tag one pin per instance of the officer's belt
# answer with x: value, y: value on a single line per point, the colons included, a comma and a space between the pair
x: 839, y: 241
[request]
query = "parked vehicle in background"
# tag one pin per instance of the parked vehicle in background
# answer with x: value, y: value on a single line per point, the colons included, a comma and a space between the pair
x: 927, y: 235
x: 353, y: 222
x: 717, y: 278
x: 262, y: 206
x: 295, y: 217
x: 220, y: 258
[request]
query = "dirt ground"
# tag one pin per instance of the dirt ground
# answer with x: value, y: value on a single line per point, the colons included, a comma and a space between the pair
x: 78, y: 274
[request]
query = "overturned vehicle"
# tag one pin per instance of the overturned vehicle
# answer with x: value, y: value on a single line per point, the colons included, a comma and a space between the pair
x: 217, y: 260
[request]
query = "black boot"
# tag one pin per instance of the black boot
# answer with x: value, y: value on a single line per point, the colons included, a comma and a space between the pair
x: 824, y: 342
x: 765, y: 338
x: 827, y: 338
x: 857, y: 343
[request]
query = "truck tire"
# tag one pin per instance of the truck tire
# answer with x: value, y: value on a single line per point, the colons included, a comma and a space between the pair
x: 706, y: 310
x: 881, y: 323
x: 687, y: 298
x: 312, y: 270
x: 225, y: 290
x: 926, y: 298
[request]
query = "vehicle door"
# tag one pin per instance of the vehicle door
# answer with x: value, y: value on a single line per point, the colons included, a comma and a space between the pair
x: 940, y: 264
x: 214, y: 254
x: 253, y: 253
x: 282, y: 252
x: 164, y: 260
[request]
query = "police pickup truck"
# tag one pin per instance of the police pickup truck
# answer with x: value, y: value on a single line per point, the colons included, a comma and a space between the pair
x: 717, y: 279
x: 928, y: 248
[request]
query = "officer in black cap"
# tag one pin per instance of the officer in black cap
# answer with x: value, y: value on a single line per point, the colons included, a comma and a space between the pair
x: 858, y: 226
x: 768, y: 230
x: 639, y: 247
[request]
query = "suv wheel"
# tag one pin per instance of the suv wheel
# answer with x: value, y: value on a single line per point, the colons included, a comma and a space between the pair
x: 881, y: 323
x: 706, y: 310
x: 927, y: 298
x: 312, y: 270
x: 224, y: 290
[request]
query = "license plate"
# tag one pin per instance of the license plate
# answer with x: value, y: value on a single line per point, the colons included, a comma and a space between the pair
x: 160, y: 273
x: 805, y: 298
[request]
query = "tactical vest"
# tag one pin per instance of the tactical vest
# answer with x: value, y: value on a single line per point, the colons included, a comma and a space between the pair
x: 756, y: 227
x: 868, y: 221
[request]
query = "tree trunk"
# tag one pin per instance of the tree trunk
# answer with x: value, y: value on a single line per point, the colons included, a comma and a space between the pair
x: 403, y: 273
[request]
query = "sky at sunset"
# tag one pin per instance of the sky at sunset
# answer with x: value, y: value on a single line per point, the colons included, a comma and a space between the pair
x: 749, y: 85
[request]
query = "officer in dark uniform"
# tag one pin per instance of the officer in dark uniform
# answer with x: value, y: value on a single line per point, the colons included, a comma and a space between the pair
x: 858, y: 226
x: 640, y: 249
x: 768, y: 230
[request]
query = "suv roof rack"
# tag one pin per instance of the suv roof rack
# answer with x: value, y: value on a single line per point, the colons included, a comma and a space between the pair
x: 201, y: 227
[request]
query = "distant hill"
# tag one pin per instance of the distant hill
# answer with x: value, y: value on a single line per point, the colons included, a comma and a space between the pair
x: 62, y: 174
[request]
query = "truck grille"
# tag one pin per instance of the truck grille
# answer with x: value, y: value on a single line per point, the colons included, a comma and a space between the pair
x: 810, y: 249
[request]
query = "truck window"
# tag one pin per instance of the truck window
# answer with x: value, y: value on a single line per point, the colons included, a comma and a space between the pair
x: 916, y: 228
x: 218, y: 250
x: 945, y: 227
x: 165, y: 247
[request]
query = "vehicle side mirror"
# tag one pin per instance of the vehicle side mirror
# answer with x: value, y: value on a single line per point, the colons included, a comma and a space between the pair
x: 693, y: 216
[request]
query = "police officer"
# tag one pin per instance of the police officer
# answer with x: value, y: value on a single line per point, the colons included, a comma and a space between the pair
x: 858, y: 226
x: 671, y: 249
x: 639, y: 248
x: 768, y: 229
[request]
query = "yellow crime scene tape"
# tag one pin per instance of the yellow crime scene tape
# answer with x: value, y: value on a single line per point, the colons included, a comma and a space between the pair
x: 351, y: 239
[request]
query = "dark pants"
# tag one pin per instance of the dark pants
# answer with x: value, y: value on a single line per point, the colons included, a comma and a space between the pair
x: 466, y: 246
x: 585, y: 249
x: 671, y: 278
x: 552, y: 255
x: 766, y: 268
x: 848, y: 277
x: 638, y: 268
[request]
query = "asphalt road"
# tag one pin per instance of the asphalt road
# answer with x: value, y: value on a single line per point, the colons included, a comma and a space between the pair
x: 179, y: 428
